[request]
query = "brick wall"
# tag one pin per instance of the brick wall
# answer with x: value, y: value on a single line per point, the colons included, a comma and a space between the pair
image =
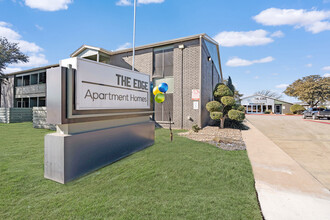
x: 191, y: 67
x: 143, y: 60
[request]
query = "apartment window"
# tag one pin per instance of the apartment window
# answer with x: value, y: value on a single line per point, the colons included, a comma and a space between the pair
x: 33, y: 102
x: 163, y: 62
x: 25, y: 103
x: 34, y: 79
x: 26, y: 80
x: 42, y: 77
x: 19, y: 81
x: 42, y: 101
x: 18, y: 103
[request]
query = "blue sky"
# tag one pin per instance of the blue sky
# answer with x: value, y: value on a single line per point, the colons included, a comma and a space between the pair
x: 263, y: 44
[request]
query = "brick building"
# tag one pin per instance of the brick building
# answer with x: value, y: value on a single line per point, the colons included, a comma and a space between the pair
x: 188, y: 65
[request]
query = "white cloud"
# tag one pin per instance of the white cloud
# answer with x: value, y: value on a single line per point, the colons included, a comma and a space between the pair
x: 326, y: 75
x: 236, y: 61
x: 30, y: 48
x: 39, y: 27
x: 124, y: 46
x: 13, y: 36
x: 4, y: 24
x: 11, y: 70
x: 313, y: 21
x: 35, y: 60
x: 129, y: 2
x: 243, y: 38
x: 256, y: 77
x: 326, y: 68
x: 309, y: 56
x: 48, y: 5
x: 277, y: 34
x: 309, y: 65
x: 275, y: 74
x: 282, y: 86
x: 124, y: 2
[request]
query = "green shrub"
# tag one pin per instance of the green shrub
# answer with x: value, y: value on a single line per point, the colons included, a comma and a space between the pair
x: 236, y: 115
x: 222, y: 90
x: 228, y: 100
x: 235, y: 124
x: 216, y: 115
x: 297, y: 109
x: 214, y: 106
x: 267, y: 112
x: 195, y: 128
x: 241, y: 108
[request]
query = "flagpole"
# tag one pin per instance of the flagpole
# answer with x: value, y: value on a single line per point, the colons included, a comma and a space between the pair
x: 134, y: 35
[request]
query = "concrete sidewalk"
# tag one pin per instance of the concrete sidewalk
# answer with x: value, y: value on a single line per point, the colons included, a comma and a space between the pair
x: 285, y: 190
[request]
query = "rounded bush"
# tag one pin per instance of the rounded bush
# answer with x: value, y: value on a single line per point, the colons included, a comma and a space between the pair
x: 222, y: 90
x: 241, y: 108
x: 228, y: 101
x: 267, y: 112
x: 214, y: 106
x: 216, y: 115
x: 296, y: 109
x: 236, y: 115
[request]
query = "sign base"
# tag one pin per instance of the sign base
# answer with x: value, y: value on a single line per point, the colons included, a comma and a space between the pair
x: 69, y: 156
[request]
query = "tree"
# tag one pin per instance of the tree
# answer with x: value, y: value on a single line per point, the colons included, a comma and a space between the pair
x: 297, y: 109
x: 9, y: 53
x: 269, y: 93
x: 230, y: 85
x: 311, y: 89
x: 224, y: 105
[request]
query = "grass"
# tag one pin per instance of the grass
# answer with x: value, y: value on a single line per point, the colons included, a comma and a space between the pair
x: 180, y: 180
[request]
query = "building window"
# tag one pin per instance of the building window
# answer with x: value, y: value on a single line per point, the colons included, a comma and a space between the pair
x: 34, y: 79
x: 33, y: 102
x: 26, y: 80
x: 42, y: 78
x: 42, y: 101
x: 163, y: 62
x: 25, y: 103
x: 19, y: 81
x: 18, y: 103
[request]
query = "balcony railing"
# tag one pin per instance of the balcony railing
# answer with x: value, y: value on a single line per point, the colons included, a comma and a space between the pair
x: 31, y: 90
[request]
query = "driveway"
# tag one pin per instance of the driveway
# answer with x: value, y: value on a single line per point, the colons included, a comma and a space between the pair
x: 306, y: 142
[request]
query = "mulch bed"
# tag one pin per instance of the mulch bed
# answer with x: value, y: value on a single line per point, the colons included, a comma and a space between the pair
x: 226, y: 139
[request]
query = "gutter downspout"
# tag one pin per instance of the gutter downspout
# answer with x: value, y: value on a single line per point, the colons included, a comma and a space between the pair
x: 182, y: 88
x: 200, y: 81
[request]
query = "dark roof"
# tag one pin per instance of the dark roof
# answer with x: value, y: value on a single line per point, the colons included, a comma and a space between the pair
x: 34, y: 69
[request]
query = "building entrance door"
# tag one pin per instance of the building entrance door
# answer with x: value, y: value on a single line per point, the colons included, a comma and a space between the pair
x: 278, y: 109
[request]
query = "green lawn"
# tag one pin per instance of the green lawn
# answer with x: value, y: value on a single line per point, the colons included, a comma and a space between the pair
x: 180, y: 180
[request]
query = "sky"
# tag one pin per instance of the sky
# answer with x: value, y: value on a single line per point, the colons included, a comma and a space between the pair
x: 264, y: 44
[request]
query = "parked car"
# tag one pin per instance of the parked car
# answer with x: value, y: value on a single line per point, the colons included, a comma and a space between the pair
x: 317, y: 113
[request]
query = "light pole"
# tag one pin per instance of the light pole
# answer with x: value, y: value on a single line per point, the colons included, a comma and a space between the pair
x: 134, y: 35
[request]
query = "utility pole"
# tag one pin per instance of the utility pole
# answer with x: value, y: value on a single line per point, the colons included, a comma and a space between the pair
x: 134, y: 35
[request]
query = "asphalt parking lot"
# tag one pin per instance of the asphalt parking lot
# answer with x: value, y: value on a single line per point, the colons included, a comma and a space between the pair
x: 305, y: 141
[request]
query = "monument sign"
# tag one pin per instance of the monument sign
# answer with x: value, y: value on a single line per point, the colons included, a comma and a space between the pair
x: 102, y: 114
